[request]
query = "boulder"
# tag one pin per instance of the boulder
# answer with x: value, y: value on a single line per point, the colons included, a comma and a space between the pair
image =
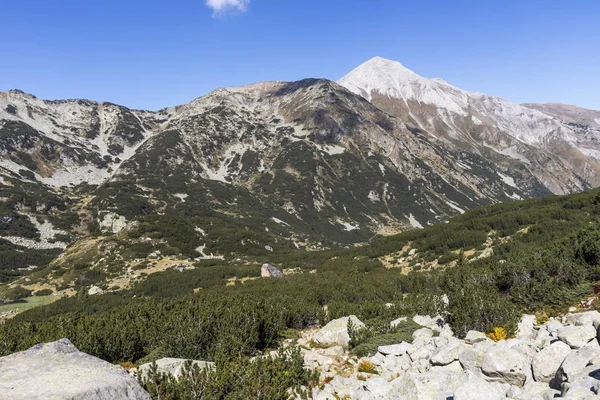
x: 505, y: 365
x: 395, y: 349
x: 575, y: 363
x: 448, y: 353
x: 173, y: 366
x: 58, y: 370
x: 476, y: 388
x: 336, y: 331
x: 577, y: 336
x: 525, y: 328
x: 438, y: 384
x: 471, y: 359
x: 583, y: 318
x: 553, y: 326
x: 546, y: 362
x: 398, y: 321
x: 475, y: 336
x: 269, y: 271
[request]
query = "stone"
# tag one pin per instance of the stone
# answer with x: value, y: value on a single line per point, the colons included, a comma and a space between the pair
x: 401, y: 388
x: 434, y: 323
x: 336, y: 351
x: 421, y: 337
x: 173, y: 366
x: 583, y: 318
x: 575, y: 363
x: 505, y: 365
x: 395, y: 349
x: 448, y: 353
x: 577, y: 336
x: 398, y: 321
x: 93, y: 290
x: 474, y: 337
x: 546, y: 362
x: 553, y: 326
x: 476, y: 388
x: 525, y: 327
x: 58, y: 370
x: 421, y: 353
x: 269, y: 271
x: 471, y: 359
x: 438, y: 384
x: 313, y: 359
x: 336, y: 331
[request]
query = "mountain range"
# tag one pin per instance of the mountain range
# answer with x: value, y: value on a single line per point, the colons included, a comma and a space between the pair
x: 312, y: 163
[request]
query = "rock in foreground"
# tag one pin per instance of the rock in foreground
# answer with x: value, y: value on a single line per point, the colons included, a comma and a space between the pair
x: 58, y: 370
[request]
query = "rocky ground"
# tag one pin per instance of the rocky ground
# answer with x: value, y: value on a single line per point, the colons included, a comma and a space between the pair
x: 557, y: 359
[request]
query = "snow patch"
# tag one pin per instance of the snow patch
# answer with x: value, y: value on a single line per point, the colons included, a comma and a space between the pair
x: 181, y: 196
x: 280, y: 222
x: 332, y: 149
x: 348, y: 226
x: 382, y: 168
x: 455, y: 206
x: 508, y: 180
x: 413, y: 221
x: 514, y: 196
x: 47, y: 233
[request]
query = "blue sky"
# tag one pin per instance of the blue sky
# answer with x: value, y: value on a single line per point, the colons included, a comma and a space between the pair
x: 154, y: 54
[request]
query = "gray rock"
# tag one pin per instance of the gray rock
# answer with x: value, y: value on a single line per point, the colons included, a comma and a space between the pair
x: 577, y: 336
x: 401, y: 388
x: 525, y: 328
x: 58, y: 370
x: 269, y: 271
x: 583, y: 318
x: 546, y: 362
x: 471, y: 359
x: 575, y: 363
x: 477, y: 388
x: 474, y: 337
x: 398, y: 321
x: 336, y: 331
x: 336, y: 351
x: 553, y: 326
x: 448, y: 353
x: 438, y: 384
x: 173, y: 366
x: 505, y: 365
x: 395, y: 349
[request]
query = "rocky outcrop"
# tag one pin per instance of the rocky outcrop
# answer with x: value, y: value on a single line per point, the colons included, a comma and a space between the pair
x: 173, y: 366
x: 559, y: 359
x: 58, y: 370
x: 336, y: 331
x: 269, y: 271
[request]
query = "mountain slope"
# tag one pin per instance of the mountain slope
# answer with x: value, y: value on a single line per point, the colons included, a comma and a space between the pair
x: 555, y: 152
x: 274, y: 165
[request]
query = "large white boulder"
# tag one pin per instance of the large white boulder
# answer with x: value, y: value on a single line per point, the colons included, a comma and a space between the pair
x: 336, y: 331
x: 476, y: 388
x: 395, y: 349
x: 525, y: 328
x: 446, y: 354
x: 505, y: 365
x: 58, y: 371
x: 577, y: 336
x: 583, y: 318
x: 546, y: 362
x: 576, y: 362
x: 173, y: 366
x: 269, y: 271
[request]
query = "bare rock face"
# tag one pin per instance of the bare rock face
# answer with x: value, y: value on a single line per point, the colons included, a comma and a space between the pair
x: 58, y: 370
x: 269, y: 271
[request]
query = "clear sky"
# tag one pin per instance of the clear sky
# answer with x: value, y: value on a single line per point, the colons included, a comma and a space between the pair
x: 152, y: 54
